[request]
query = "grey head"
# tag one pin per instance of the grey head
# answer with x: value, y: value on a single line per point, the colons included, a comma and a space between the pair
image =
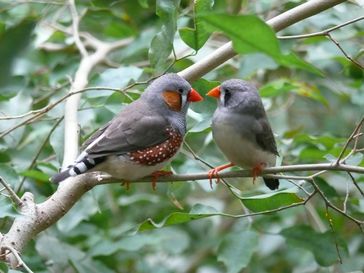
x: 170, y: 95
x: 238, y: 96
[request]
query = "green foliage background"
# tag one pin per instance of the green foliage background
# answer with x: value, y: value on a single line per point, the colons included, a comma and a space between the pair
x: 314, y: 96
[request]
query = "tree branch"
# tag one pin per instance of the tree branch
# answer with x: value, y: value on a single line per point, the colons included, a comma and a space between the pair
x: 320, y: 33
x: 13, y: 196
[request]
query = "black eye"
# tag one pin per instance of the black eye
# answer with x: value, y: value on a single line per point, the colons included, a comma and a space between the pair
x: 180, y: 90
x: 227, y: 96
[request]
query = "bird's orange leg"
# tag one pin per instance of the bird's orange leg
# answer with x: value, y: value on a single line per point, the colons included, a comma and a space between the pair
x: 155, y: 176
x: 257, y: 170
x: 214, y: 173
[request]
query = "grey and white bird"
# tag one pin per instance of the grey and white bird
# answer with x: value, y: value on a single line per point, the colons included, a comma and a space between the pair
x: 143, y: 137
x: 241, y: 129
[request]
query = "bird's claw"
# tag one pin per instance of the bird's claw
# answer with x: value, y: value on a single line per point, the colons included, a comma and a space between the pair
x: 213, y: 173
x: 257, y: 170
x: 156, y: 175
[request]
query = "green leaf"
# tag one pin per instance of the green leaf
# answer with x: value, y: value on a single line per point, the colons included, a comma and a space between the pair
x: 292, y: 60
x: 322, y: 245
x: 90, y: 266
x: 249, y: 34
x: 198, y: 211
x: 36, y: 175
x: 8, y: 174
x: 6, y: 208
x: 276, y: 88
x: 143, y: 3
x: 236, y: 250
x: 162, y: 43
x: 82, y: 210
x: 12, y: 42
x: 115, y: 78
x: 281, y: 86
x: 172, y: 240
x: 3, y: 267
x: 325, y: 187
x: 196, y: 37
x: 270, y: 201
x: 160, y: 49
x: 51, y: 248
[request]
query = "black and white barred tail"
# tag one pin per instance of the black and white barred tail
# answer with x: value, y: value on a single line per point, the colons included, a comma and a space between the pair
x: 81, y: 166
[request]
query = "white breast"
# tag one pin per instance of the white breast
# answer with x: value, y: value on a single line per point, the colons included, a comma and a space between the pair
x: 240, y: 150
x: 121, y: 167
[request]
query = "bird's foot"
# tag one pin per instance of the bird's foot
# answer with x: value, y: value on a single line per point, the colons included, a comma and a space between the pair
x: 257, y: 170
x: 126, y: 184
x: 155, y: 176
x: 214, y: 173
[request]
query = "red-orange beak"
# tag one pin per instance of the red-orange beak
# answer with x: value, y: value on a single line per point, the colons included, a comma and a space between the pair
x: 194, y: 96
x: 215, y: 92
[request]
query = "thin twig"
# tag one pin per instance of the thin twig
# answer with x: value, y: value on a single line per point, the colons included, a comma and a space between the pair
x: 13, y: 196
x: 299, y: 186
x: 328, y: 35
x: 343, y: 51
x: 19, y: 259
x: 75, y: 26
x: 346, y: 197
x: 356, y: 129
x: 331, y: 224
x: 45, y: 141
x: 329, y: 204
x: 40, y: 112
x: 320, y: 33
x: 356, y: 184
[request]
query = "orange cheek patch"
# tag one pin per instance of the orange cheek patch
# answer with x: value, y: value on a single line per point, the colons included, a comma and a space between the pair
x: 173, y: 100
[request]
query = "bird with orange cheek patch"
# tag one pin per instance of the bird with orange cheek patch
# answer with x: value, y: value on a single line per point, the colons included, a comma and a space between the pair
x: 143, y: 137
x: 241, y: 130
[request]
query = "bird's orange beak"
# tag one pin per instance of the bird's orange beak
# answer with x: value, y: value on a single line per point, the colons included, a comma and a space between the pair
x: 215, y: 92
x: 194, y: 96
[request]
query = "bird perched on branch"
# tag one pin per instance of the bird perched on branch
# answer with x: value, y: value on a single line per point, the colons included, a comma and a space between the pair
x: 143, y: 137
x: 241, y: 129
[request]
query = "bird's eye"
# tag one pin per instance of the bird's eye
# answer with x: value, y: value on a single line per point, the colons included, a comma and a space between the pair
x: 227, y: 96
x: 180, y: 90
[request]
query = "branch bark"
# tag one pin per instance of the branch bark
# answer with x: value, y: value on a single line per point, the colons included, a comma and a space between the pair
x: 37, y: 217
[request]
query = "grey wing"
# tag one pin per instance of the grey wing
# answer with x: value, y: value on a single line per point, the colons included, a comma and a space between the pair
x: 265, y: 137
x: 122, y: 136
x: 94, y: 136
